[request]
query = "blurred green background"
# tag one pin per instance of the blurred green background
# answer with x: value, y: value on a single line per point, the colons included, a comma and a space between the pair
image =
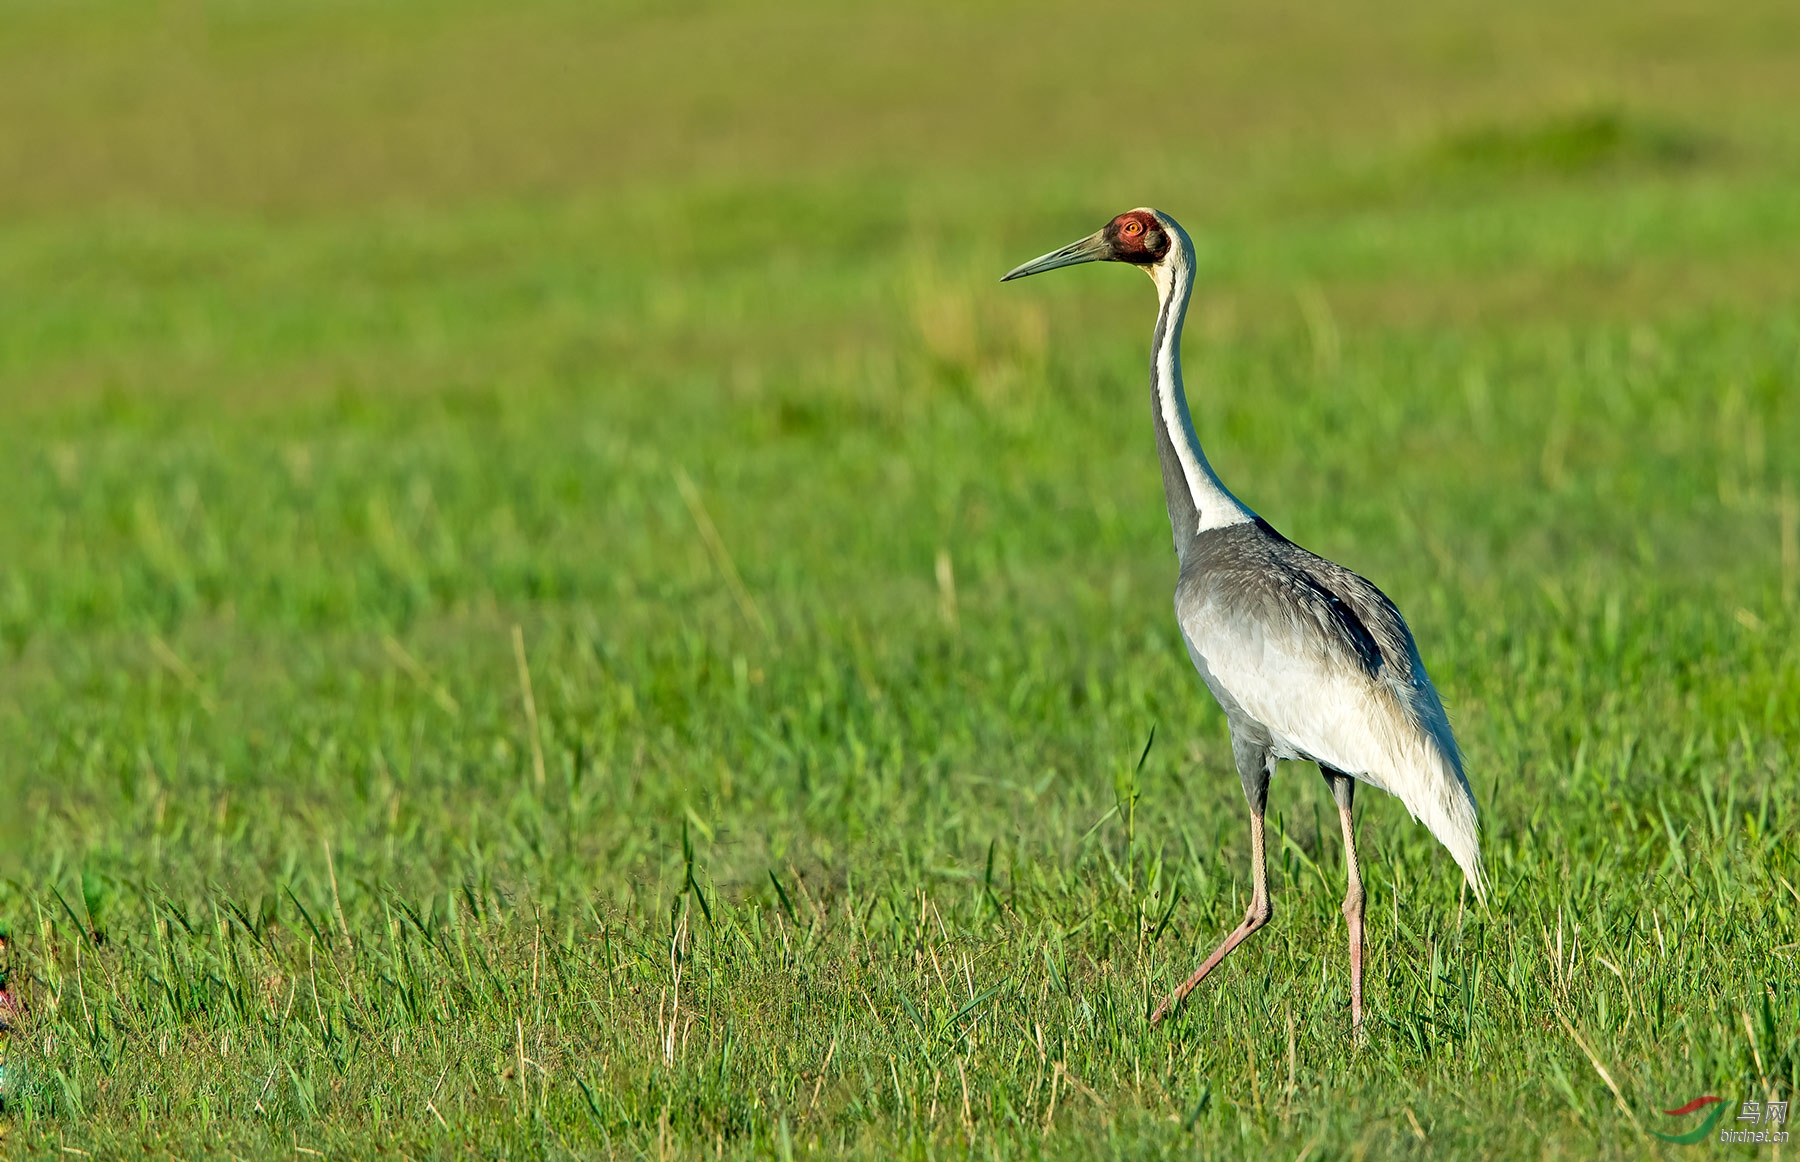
x: 336, y: 340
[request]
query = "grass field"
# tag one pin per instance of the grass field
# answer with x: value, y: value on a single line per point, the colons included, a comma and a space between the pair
x: 551, y: 607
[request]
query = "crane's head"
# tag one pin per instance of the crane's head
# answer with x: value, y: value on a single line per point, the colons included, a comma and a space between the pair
x: 1142, y: 237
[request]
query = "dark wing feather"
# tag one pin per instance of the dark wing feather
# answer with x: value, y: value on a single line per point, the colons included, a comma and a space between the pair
x: 1335, y: 615
x: 1355, y: 617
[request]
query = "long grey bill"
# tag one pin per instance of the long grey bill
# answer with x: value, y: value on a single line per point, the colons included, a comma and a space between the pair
x: 1093, y: 248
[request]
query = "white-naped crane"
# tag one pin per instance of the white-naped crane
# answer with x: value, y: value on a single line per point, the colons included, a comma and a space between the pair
x: 1308, y: 660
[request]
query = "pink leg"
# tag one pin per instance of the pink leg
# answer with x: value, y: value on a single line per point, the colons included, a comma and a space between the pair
x: 1256, y: 917
x: 1353, y: 917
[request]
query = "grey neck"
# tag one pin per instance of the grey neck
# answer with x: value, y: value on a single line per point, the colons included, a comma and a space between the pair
x: 1197, y: 499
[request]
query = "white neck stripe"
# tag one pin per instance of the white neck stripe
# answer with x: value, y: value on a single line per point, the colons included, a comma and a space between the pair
x: 1216, y: 507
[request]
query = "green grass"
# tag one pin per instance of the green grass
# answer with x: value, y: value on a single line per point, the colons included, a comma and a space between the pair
x: 328, y: 358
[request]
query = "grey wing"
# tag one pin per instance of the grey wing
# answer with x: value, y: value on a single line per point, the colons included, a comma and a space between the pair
x: 1323, y: 660
x: 1294, y: 649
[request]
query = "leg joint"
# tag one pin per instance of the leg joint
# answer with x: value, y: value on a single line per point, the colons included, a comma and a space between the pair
x: 1260, y: 913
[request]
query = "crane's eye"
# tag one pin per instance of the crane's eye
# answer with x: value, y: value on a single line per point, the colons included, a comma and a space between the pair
x: 1132, y: 228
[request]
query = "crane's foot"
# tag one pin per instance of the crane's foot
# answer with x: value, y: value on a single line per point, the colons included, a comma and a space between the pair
x: 1260, y: 912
